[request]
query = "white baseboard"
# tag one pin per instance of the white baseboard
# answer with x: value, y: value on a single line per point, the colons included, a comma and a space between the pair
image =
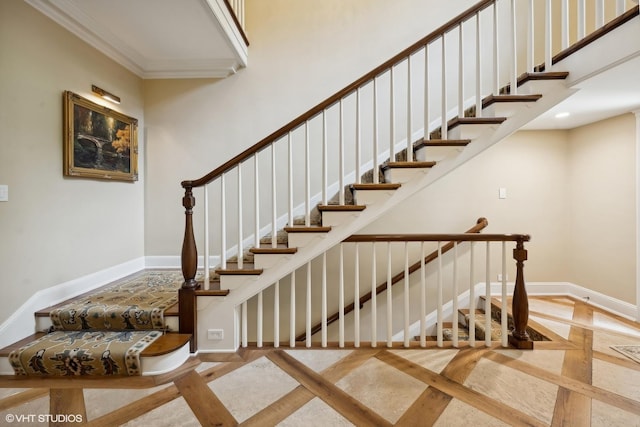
x: 22, y: 322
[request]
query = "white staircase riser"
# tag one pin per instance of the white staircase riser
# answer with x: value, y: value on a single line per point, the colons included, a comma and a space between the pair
x: 436, y: 154
x: 470, y: 131
x: 300, y: 240
x: 400, y: 175
x: 372, y: 197
x: 333, y: 219
x: 262, y: 261
x: 505, y: 109
x: 541, y: 87
x: 232, y: 281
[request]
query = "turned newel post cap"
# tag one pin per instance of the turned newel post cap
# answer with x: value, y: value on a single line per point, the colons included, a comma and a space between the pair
x: 188, y: 201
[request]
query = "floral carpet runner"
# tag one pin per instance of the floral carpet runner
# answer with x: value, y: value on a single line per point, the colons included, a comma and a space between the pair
x: 70, y: 354
x: 137, y: 304
x: 102, y: 333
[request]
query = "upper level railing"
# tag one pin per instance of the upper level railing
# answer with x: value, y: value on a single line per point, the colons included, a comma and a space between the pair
x: 378, y: 115
x: 361, y: 259
x: 236, y: 8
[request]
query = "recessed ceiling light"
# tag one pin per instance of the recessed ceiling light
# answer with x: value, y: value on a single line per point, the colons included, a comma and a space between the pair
x: 562, y: 115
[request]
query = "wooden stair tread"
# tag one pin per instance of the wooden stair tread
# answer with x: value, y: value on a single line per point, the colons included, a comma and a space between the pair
x: 307, y: 229
x: 381, y: 186
x: 457, y: 121
x: 239, y: 271
x: 341, y: 208
x: 442, y: 143
x: 408, y: 165
x: 491, y: 99
x: 165, y: 344
x: 270, y: 250
x: 4, y: 352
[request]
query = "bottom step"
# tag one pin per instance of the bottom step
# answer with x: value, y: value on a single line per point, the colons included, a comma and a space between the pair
x: 98, y: 353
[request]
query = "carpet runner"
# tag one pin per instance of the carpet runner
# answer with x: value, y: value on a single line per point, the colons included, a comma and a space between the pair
x: 137, y: 304
x: 70, y: 354
x: 102, y: 333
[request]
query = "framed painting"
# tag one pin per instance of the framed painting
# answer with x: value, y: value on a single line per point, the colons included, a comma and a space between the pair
x: 98, y: 142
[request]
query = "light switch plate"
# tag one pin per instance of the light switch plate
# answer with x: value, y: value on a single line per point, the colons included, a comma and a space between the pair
x: 4, y: 193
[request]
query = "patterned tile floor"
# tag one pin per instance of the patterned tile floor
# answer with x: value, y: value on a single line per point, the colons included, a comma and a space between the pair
x: 580, y: 381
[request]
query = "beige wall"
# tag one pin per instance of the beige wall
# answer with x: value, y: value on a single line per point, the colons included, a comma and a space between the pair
x: 601, y: 206
x: 55, y: 229
x: 301, y: 52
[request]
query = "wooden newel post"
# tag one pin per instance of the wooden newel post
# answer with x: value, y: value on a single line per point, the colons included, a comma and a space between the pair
x: 187, y: 295
x: 519, y: 337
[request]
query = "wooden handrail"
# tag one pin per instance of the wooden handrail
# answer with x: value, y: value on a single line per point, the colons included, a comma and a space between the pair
x: 237, y: 22
x: 464, y: 237
x: 480, y: 225
x: 295, y: 123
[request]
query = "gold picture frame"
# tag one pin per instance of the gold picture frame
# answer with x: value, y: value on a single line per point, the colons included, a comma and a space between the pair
x: 99, y: 143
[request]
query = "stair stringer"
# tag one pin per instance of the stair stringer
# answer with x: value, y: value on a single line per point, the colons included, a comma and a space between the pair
x: 224, y: 313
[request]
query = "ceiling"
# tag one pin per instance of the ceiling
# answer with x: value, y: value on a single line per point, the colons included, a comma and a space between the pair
x: 179, y: 39
x: 613, y: 92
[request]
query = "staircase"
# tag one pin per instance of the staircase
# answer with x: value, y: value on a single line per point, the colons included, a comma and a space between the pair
x: 484, y: 113
x: 461, y: 118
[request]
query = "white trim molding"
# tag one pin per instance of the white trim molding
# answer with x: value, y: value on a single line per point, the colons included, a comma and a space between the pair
x: 637, y: 114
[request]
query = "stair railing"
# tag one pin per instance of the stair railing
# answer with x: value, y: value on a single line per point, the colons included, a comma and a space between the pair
x: 470, y: 57
x: 377, y: 255
x: 480, y: 225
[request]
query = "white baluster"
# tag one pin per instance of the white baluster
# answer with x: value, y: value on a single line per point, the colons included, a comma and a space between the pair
x: 496, y: 58
x: 389, y: 299
x: 290, y: 177
x: 376, y: 178
x: 620, y: 7
x: 460, y: 71
x: 472, y: 299
x: 503, y: 318
x: 478, y: 68
x: 324, y: 300
x: 256, y: 184
x: 374, y: 308
x: 565, y: 24
x: 599, y: 13
x: 423, y: 298
x: 244, y: 325
x: 444, y: 126
x: 341, y: 155
x: 439, y: 308
x: 325, y: 162
x: 274, y: 210
x: 206, y: 237
x: 531, y: 22
x: 582, y: 19
x: 358, y: 138
x: 514, y: 49
x: 308, y: 313
x: 548, y: 41
x: 426, y: 92
x: 356, y: 297
x: 406, y: 294
x: 292, y: 311
x: 409, y: 114
x: 307, y: 177
x: 341, y: 297
x: 487, y: 299
x: 240, y: 253
x: 276, y: 315
x: 392, y: 116
x: 223, y: 223
x: 259, y: 320
x: 455, y: 294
